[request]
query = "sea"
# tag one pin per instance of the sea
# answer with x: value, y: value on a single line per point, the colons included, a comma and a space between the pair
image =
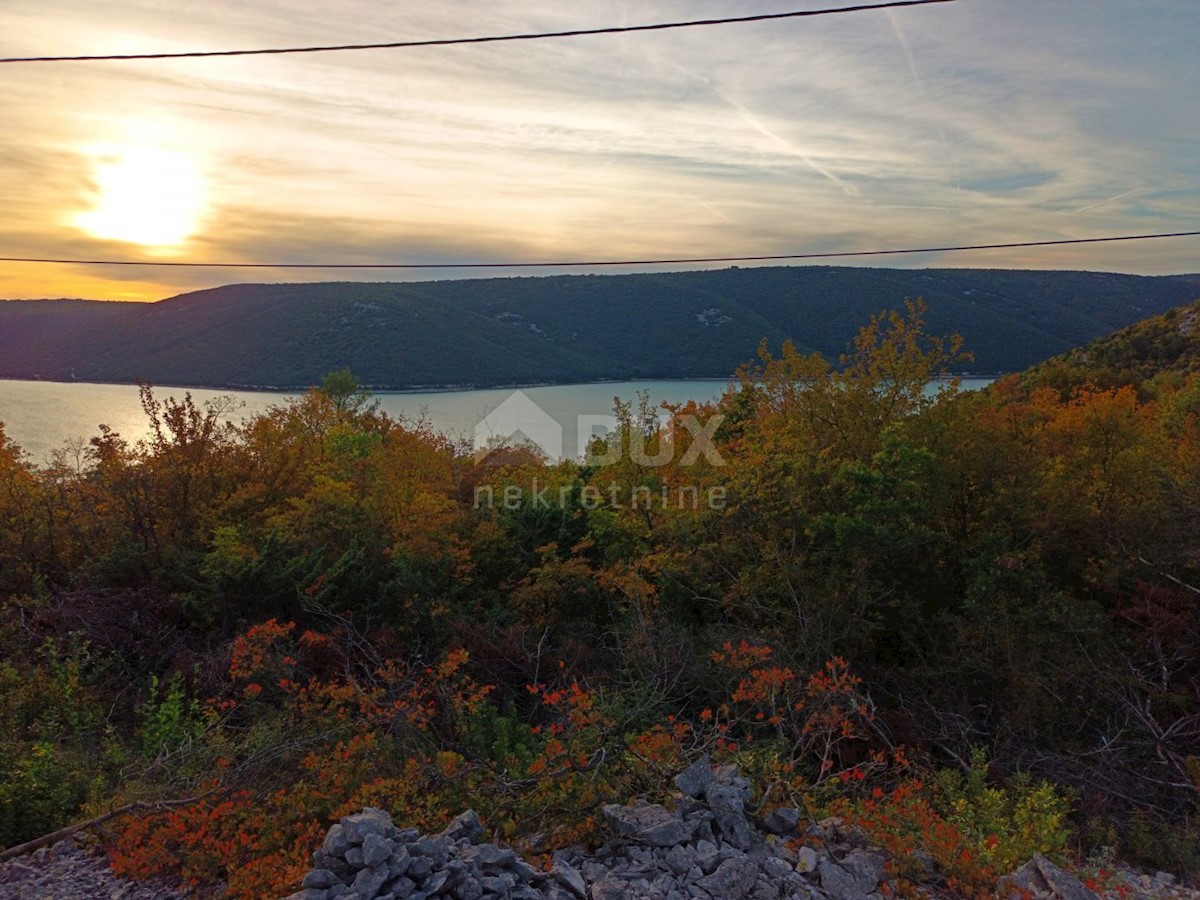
x: 45, y: 416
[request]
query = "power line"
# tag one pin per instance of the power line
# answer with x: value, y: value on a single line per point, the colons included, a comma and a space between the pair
x: 488, y: 39
x: 594, y: 263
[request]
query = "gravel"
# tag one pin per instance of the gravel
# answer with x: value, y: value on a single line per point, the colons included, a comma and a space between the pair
x: 67, y: 871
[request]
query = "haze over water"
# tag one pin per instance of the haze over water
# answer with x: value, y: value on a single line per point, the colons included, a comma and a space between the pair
x: 42, y: 416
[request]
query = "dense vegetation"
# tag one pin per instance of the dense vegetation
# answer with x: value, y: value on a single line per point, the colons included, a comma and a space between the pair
x: 968, y: 621
x: 1162, y: 350
x: 568, y: 328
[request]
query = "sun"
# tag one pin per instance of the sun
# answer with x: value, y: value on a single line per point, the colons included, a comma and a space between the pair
x: 145, y: 195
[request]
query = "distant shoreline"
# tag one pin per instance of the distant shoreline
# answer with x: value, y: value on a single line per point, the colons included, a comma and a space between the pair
x: 445, y: 388
x: 374, y: 389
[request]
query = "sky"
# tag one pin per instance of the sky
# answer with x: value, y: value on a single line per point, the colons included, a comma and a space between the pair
x: 979, y: 121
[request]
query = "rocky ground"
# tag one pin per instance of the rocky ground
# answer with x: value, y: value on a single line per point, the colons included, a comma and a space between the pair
x: 68, y: 871
x: 707, y: 848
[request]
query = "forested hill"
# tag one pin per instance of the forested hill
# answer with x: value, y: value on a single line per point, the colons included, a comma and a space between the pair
x: 560, y: 328
x: 1159, y: 348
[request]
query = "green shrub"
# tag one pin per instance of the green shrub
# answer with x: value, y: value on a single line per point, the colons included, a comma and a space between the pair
x: 170, y: 719
x: 40, y: 791
x: 1008, y: 823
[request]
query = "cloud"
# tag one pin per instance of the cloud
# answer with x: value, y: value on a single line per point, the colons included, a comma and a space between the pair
x: 1105, y: 202
x: 957, y: 123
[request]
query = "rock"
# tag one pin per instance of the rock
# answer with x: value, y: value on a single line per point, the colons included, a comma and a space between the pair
x: 376, y: 850
x: 642, y: 856
x: 369, y: 821
x: 488, y: 855
x: 436, y: 849
x: 837, y: 882
x: 688, y: 808
x: 729, y: 776
x: 320, y: 878
x: 695, y: 779
x: 728, y: 807
x: 827, y: 829
x: 649, y: 824
x: 834, y: 831
x: 568, y: 876
x: 1039, y: 876
x: 336, y: 842
x: 784, y: 820
x: 1062, y: 883
x: 806, y: 860
x: 419, y: 868
x: 1026, y: 880
x: 609, y: 889
x: 402, y: 888
x: 499, y: 884
x: 766, y: 889
x: 435, y: 882
x: 398, y: 862
x: 777, y: 868
x: 708, y: 848
x: 866, y: 868
x: 680, y: 859
x: 707, y: 856
x: 592, y: 870
x: 525, y: 872
x: 465, y: 825
x: 704, y: 830
x: 732, y: 880
x: 368, y: 882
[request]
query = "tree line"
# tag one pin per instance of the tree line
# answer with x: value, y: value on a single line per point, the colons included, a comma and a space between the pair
x: 971, y: 610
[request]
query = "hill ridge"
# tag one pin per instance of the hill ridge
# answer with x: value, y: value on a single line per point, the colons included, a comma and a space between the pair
x: 512, y: 330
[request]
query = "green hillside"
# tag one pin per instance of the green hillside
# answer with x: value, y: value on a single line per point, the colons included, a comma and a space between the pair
x: 1153, y: 351
x: 560, y: 328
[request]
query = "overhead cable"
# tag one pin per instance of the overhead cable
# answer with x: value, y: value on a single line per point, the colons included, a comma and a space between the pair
x: 594, y: 263
x: 484, y: 39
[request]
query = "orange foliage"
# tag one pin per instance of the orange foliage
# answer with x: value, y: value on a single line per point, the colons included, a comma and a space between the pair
x: 903, y: 821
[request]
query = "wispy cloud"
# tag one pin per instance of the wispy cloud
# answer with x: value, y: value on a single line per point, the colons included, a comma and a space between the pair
x: 894, y: 19
x: 1106, y: 202
x: 844, y: 133
x: 788, y: 147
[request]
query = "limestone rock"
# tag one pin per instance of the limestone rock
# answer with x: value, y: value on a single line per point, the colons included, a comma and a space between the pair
x: 320, y: 878
x: 784, y: 820
x: 728, y: 807
x: 369, y: 821
x: 368, y: 882
x: 568, y: 876
x: 695, y: 779
x: 1041, y: 878
x: 649, y: 824
x: 733, y: 879
x: 465, y: 825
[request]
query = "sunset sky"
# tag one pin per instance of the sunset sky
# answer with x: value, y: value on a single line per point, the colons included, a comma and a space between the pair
x: 974, y: 122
